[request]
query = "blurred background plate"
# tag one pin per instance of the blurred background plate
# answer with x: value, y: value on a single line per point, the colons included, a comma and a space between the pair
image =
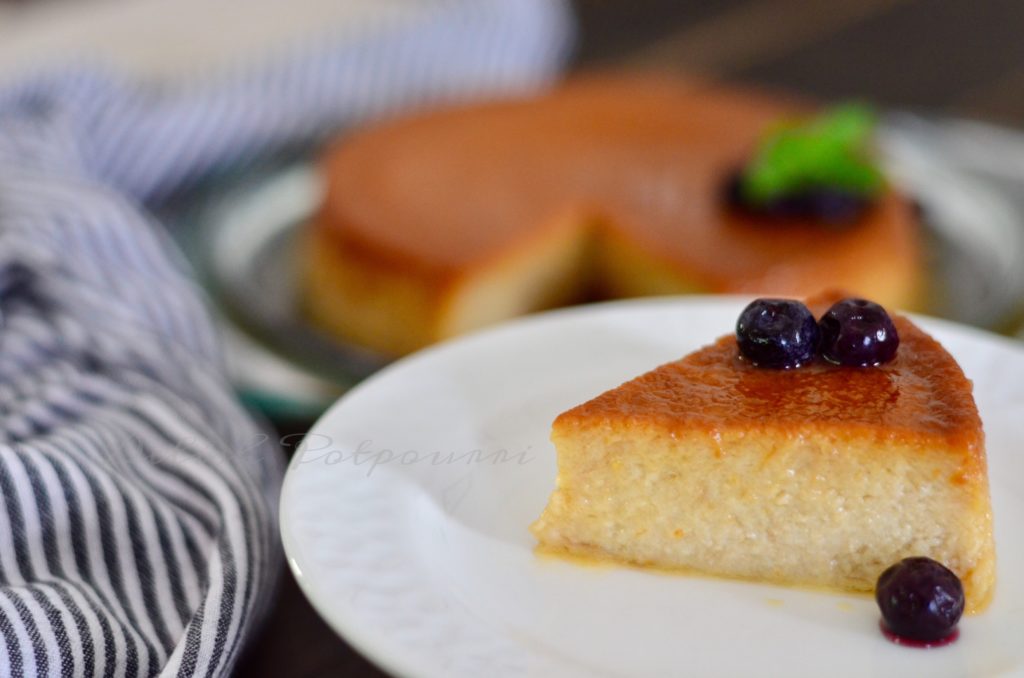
x: 240, y: 230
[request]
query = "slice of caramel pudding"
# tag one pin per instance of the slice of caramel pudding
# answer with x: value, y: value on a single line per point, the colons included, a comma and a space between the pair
x: 449, y: 220
x: 820, y: 475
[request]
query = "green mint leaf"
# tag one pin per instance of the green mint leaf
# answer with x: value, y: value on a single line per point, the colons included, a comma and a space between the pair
x: 829, y: 151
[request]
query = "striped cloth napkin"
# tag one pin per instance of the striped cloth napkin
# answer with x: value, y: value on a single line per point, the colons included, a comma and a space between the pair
x: 137, y: 499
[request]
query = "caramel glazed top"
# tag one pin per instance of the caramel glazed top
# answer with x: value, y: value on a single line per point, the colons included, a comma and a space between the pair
x: 919, y: 398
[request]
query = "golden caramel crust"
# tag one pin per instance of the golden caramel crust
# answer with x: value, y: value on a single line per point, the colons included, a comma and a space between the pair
x: 921, y: 397
x: 644, y: 157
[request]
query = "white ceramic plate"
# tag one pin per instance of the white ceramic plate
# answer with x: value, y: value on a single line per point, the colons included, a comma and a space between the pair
x: 405, y: 515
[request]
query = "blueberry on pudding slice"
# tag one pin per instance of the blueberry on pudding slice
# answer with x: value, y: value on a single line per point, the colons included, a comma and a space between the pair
x: 759, y: 457
x: 858, y: 332
x: 780, y: 333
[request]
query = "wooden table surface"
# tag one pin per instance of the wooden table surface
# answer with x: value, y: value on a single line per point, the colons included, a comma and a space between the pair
x: 958, y: 57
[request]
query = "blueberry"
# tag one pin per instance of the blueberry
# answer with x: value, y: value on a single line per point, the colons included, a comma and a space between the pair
x: 778, y: 333
x: 831, y: 206
x: 856, y: 332
x: 920, y: 599
x: 835, y: 206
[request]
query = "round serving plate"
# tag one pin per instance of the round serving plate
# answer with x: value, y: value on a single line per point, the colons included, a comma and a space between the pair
x: 241, y: 229
x: 404, y: 517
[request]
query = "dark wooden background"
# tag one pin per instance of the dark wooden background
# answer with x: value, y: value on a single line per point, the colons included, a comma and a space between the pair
x: 958, y: 57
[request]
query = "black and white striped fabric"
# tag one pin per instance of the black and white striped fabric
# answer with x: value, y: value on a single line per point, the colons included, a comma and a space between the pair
x: 137, y: 499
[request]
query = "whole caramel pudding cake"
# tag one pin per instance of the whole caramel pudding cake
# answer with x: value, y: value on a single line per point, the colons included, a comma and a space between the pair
x: 823, y: 475
x: 611, y: 185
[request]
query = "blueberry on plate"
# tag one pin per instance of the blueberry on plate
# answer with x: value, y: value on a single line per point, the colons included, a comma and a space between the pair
x: 858, y: 333
x: 777, y: 333
x: 920, y: 599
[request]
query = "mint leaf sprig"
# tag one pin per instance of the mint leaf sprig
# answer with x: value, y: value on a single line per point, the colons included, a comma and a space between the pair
x: 831, y: 151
